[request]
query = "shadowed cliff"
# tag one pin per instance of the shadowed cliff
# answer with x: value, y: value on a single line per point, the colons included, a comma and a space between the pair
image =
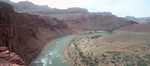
x: 27, y: 34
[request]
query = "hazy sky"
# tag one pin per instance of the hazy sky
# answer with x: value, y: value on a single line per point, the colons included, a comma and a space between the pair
x: 137, y: 8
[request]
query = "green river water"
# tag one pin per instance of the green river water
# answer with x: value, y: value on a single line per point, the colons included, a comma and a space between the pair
x: 52, y: 54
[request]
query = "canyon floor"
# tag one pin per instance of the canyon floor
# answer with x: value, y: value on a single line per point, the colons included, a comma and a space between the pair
x: 105, y: 49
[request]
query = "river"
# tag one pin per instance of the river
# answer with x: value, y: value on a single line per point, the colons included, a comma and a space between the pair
x: 52, y: 54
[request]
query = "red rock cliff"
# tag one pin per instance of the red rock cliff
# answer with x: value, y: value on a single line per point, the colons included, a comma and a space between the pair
x: 27, y: 34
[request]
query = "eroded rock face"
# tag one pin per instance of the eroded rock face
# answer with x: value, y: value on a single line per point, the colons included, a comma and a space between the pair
x: 27, y: 34
x: 7, y: 57
x: 97, y: 22
x: 78, y: 19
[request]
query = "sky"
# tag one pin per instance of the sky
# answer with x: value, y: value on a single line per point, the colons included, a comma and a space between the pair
x: 122, y: 8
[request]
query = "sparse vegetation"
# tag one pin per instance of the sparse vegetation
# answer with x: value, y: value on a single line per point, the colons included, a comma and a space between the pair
x: 125, y: 49
x: 147, y: 56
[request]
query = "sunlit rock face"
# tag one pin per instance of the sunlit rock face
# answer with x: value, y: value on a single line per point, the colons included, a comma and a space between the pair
x: 27, y: 34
